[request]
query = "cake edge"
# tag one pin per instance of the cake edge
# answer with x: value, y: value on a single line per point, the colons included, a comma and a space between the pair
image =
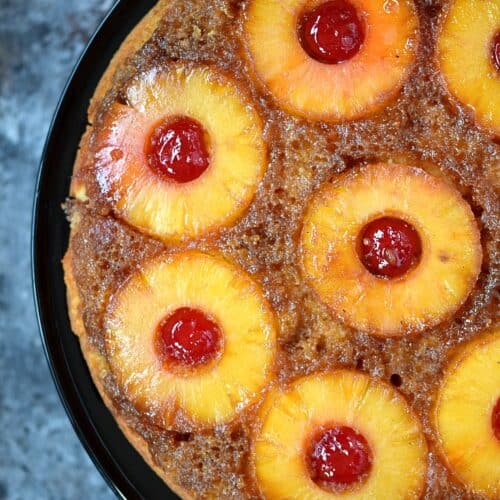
x: 95, y: 361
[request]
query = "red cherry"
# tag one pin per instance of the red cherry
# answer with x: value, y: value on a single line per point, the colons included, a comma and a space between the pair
x: 177, y: 150
x: 188, y: 337
x: 339, y: 456
x: 495, y: 50
x: 389, y: 247
x: 332, y: 32
x: 495, y: 419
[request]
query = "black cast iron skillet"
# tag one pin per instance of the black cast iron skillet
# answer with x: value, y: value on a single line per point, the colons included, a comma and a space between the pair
x: 123, y: 468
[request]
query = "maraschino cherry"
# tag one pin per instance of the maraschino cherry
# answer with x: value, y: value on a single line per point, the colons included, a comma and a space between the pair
x: 332, y: 32
x: 389, y: 247
x: 188, y: 337
x: 495, y: 51
x: 495, y: 419
x: 177, y: 149
x: 339, y: 456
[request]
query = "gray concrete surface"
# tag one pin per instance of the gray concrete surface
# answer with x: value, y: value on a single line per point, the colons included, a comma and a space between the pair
x: 40, y: 455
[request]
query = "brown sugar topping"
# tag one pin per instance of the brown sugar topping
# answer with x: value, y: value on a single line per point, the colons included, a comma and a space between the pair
x: 421, y: 126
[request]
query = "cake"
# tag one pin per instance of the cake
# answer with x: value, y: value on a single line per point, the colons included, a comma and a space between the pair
x: 283, y: 261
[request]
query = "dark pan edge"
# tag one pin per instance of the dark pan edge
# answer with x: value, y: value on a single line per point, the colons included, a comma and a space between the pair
x: 45, y: 265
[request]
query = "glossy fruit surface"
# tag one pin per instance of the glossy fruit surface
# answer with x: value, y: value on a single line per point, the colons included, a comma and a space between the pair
x: 495, y: 50
x: 322, y: 413
x: 495, y: 419
x: 188, y: 337
x: 177, y: 149
x: 322, y: 72
x: 181, y: 291
x: 465, y: 414
x: 467, y: 53
x: 332, y: 32
x: 162, y: 189
x: 338, y: 456
x: 431, y: 289
x: 389, y: 247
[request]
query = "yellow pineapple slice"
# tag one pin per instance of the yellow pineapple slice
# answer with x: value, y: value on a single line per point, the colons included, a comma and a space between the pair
x: 467, y: 414
x: 184, y: 156
x: 190, y: 340
x: 334, y: 60
x: 343, y: 236
x: 469, y: 57
x: 340, y: 433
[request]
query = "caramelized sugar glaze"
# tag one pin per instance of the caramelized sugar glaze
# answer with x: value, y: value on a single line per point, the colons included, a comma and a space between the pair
x: 424, y: 126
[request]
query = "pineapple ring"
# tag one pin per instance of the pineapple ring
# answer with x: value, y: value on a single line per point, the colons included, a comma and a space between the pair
x: 463, y: 414
x: 165, y: 209
x: 465, y: 57
x: 208, y: 395
x: 344, y: 91
x: 376, y: 410
x: 427, y: 294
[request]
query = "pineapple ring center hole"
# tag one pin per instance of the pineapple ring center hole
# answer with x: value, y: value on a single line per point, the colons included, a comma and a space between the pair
x: 495, y: 419
x: 495, y: 51
x: 389, y: 247
x: 332, y: 32
x: 188, y: 338
x: 337, y: 457
x: 177, y: 149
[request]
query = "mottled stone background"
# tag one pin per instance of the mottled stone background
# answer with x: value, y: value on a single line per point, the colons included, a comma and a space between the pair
x: 40, y: 455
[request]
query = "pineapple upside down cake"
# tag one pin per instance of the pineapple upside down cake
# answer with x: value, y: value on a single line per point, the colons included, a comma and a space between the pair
x: 283, y: 264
